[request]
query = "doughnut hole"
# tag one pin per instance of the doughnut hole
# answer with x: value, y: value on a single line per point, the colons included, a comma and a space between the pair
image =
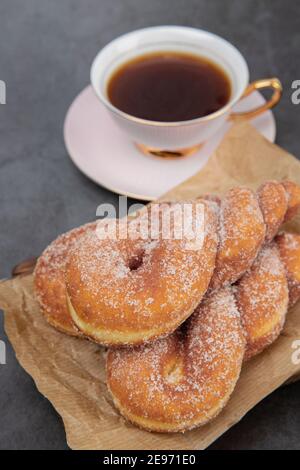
x: 136, y: 261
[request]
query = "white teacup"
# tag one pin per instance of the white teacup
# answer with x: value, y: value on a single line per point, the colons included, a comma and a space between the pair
x: 184, y: 137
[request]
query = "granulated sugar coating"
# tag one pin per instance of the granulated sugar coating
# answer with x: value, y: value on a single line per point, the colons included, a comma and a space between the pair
x: 184, y: 380
x: 129, y: 291
x: 243, y: 217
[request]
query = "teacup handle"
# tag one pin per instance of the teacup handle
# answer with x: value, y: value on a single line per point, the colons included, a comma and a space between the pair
x: 273, y: 83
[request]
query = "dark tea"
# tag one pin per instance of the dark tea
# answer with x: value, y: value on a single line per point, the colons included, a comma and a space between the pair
x: 169, y: 87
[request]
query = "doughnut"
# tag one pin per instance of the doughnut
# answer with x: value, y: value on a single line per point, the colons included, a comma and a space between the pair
x: 130, y: 291
x: 262, y: 299
x: 49, y: 280
x: 186, y: 379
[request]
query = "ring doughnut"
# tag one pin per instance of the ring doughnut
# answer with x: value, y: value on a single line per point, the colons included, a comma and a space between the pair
x: 135, y: 290
x: 184, y: 380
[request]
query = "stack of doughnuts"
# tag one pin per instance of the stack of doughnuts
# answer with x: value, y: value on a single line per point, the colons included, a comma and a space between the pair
x: 179, y: 321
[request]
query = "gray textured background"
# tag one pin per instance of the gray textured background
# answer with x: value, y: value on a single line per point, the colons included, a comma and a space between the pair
x: 46, y: 47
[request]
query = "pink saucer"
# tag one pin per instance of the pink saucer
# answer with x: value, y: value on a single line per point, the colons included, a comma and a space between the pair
x: 105, y: 154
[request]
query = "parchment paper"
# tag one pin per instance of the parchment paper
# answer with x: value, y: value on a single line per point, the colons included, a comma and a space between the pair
x: 70, y: 372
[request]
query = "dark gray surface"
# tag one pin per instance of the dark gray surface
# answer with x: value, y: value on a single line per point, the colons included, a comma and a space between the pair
x: 46, y: 48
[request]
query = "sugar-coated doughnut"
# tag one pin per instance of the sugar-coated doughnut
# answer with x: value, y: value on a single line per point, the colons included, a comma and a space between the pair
x: 262, y: 299
x: 49, y: 280
x: 184, y: 380
x: 129, y: 291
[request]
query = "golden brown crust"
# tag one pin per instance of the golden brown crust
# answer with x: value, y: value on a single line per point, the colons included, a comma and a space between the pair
x: 184, y: 380
x: 49, y: 280
x: 114, y: 301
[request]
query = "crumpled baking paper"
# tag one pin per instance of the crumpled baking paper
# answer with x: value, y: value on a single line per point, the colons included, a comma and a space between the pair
x: 70, y: 372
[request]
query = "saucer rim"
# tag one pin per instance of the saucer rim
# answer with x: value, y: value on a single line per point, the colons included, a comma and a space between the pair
x: 140, y: 197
